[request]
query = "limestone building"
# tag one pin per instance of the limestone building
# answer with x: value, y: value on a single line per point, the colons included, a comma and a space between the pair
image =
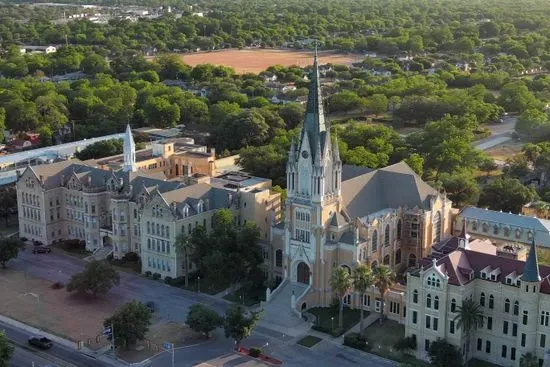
x: 340, y: 215
x: 134, y: 210
x: 513, y: 294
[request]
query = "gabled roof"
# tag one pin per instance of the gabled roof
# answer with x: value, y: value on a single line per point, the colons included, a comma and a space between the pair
x: 390, y: 187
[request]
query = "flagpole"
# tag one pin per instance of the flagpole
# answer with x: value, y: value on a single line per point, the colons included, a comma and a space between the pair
x: 113, y: 334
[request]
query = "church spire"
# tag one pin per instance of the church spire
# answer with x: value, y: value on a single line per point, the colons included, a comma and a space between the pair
x: 531, y: 269
x: 314, y: 122
x: 129, y: 151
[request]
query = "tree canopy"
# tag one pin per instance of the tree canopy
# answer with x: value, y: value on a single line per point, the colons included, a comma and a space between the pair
x: 96, y: 278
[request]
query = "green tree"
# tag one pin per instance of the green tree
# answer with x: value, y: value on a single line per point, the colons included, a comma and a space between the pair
x: 384, y: 279
x: 443, y: 354
x: 202, y: 319
x: 130, y: 324
x: 194, y: 110
x: 2, y: 123
x: 239, y: 323
x: 184, y: 247
x: 362, y: 279
x: 461, y: 187
x: 344, y: 101
x: 6, y: 350
x: 533, y: 122
x: 159, y: 112
x: 487, y: 165
x: 377, y: 104
x: 469, y: 318
x: 241, y: 130
x: 341, y: 283
x: 219, y: 111
x: 101, y: 149
x: 416, y: 162
x: 529, y: 360
x: 506, y: 194
x: 516, y: 97
x: 94, y: 64
x: 9, y: 249
x: 292, y: 114
x: 96, y: 278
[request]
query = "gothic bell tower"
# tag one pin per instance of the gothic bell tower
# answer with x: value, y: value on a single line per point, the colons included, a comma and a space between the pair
x: 314, y: 173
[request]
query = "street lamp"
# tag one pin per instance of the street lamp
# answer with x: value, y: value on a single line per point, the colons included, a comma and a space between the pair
x: 37, y: 306
x: 332, y: 324
x: 199, y: 283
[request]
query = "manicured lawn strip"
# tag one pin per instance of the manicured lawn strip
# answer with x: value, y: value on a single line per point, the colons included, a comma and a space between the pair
x: 324, y: 324
x: 251, y: 296
x: 309, y: 341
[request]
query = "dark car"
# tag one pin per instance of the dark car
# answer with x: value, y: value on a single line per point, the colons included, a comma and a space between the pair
x: 37, y: 243
x: 41, y: 250
x: 40, y: 342
x: 151, y: 306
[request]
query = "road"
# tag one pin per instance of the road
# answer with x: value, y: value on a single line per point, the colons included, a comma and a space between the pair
x: 173, y: 304
x: 500, y: 133
x: 57, y: 355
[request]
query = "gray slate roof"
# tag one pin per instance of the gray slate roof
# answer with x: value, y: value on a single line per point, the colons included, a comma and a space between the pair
x: 540, y: 226
x: 389, y: 187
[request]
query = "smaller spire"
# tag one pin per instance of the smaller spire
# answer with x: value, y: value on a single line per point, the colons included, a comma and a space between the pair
x: 318, y: 154
x: 531, y: 269
x: 336, y: 149
x: 292, y: 151
x: 464, y: 236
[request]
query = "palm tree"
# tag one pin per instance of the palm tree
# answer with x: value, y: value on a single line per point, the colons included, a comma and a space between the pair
x: 469, y: 318
x: 362, y: 280
x: 340, y: 283
x: 183, y: 246
x: 384, y: 279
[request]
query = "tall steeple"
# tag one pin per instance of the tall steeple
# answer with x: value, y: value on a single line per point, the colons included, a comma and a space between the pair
x: 531, y: 269
x: 129, y: 151
x: 314, y: 122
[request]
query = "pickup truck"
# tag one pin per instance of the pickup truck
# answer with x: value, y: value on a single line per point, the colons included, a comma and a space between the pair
x: 40, y: 342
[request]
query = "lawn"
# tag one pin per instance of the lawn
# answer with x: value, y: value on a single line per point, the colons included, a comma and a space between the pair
x: 324, y: 322
x: 381, y: 338
x: 309, y: 341
x: 248, y: 297
x: 204, y: 285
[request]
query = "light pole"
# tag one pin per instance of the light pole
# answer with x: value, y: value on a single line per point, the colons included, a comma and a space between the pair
x: 37, y: 306
x: 199, y: 283
x: 332, y: 324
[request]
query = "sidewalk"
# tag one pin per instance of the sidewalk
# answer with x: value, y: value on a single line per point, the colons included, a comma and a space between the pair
x: 61, y: 341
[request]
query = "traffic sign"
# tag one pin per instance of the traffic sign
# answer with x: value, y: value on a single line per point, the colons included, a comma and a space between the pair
x: 167, y: 346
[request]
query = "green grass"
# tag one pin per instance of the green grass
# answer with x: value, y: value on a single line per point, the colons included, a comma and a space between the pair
x: 250, y: 296
x: 381, y: 339
x: 206, y: 286
x: 309, y: 341
x: 325, y: 324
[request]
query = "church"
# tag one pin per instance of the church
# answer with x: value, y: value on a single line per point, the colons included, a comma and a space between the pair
x: 339, y: 215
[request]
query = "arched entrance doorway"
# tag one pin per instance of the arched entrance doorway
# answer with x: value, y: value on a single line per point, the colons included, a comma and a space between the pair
x: 302, y: 274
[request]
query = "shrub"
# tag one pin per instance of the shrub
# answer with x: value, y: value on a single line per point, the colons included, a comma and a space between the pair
x: 405, y: 344
x: 168, y: 280
x: 156, y: 276
x: 24, y: 239
x: 255, y: 352
x: 130, y: 257
x: 357, y: 341
x: 147, y: 274
x: 57, y: 285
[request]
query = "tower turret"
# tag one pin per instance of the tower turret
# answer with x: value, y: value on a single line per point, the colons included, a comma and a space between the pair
x: 129, y: 151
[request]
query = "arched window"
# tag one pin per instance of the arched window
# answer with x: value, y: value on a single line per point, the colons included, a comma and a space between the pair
x: 491, y: 301
x: 162, y: 231
x: 387, y: 260
x: 438, y: 283
x: 158, y: 231
x: 506, y: 231
x: 482, y: 299
x: 374, y: 240
x: 398, y: 256
x: 279, y: 258
x: 507, y: 305
x: 412, y: 260
x: 495, y: 229
x: 399, y: 225
x: 436, y: 303
x: 516, y: 308
x: 415, y: 296
x: 148, y: 227
x: 437, y: 227
x: 429, y: 301
x: 387, y: 235
x: 485, y: 227
x: 518, y: 233
x: 474, y: 226
x: 167, y: 232
x: 453, y: 305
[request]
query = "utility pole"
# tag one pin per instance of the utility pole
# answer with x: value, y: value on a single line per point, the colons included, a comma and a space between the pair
x: 113, y: 335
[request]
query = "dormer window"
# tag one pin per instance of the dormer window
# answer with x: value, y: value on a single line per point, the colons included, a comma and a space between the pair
x: 474, y: 226
x: 200, y: 207
x: 483, y: 275
x: 485, y: 227
x: 518, y: 233
x: 495, y: 230
x: 186, y: 211
x: 529, y: 235
x: 493, y: 277
x: 509, y: 281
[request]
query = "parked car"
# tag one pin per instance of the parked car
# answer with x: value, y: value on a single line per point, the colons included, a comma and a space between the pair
x: 37, y: 243
x: 41, y: 250
x: 40, y: 342
x: 151, y: 306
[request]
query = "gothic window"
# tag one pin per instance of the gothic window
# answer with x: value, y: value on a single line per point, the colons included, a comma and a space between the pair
x: 279, y: 258
x: 436, y: 303
x: 429, y: 301
x: 387, y: 235
x: 474, y: 226
x: 482, y: 299
x: 491, y: 301
x: 374, y: 240
x: 516, y: 308
x: 399, y: 224
x: 398, y: 256
x: 387, y: 260
x: 453, y: 305
x: 415, y: 296
x: 518, y: 233
x: 507, y: 305
x: 485, y: 227
x: 412, y: 260
x: 506, y: 231
x: 437, y: 227
x: 495, y: 229
x: 414, y: 228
